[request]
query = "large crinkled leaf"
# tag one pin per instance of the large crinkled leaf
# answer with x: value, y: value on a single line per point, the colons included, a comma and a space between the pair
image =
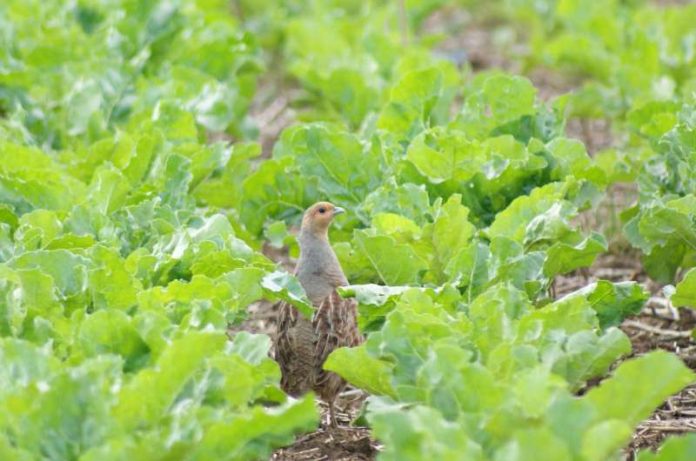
x: 349, y: 93
x: 411, y: 102
x: 588, y: 356
x: 441, y: 155
x: 417, y: 432
x: 497, y: 165
x: 453, y: 382
x: 391, y: 263
x: 275, y: 190
x: 25, y: 364
x: 31, y: 179
x: 111, y: 284
x: 469, y: 268
x: 70, y: 412
x: 177, y: 174
x: 68, y: 270
x: 513, y: 222
x: 223, y: 188
x: 251, y: 347
x: 344, y: 171
x: 37, y: 229
x: 112, y: 332
x: 108, y: 189
x: 451, y: 231
x: 146, y: 398
x: 571, y: 159
x: 408, y: 200
x: 664, y: 231
x: 497, y: 104
x: 246, y: 285
x: 509, y: 263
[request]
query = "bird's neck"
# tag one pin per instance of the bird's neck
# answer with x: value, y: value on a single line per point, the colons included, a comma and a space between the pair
x: 315, y: 251
x: 318, y: 269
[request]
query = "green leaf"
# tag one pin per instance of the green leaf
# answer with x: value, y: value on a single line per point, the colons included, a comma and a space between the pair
x: 108, y: 189
x: 588, y: 356
x: 111, y: 332
x: 563, y: 257
x: 572, y: 159
x: 416, y: 432
x: 111, y: 284
x: 441, y: 155
x: 275, y: 189
x: 276, y: 234
x: 408, y: 200
x: 252, y: 435
x: 391, y: 263
x: 411, y: 102
x: 68, y: 270
x: 613, y: 302
x: 470, y: 268
x: 675, y: 448
x: 533, y: 444
x: 251, y: 347
x: 345, y: 173
x: 496, y: 100
x: 246, y: 285
x: 281, y: 285
x: 371, y: 294
x: 639, y: 385
x: 224, y: 187
x: 147, y: 397
x: 685, y: 294
x: 38, y: 228
x: 451, y: 230
x: 605, y: 439
x: 361, y: 370
x: 659, y: 225
x: 513, y: 221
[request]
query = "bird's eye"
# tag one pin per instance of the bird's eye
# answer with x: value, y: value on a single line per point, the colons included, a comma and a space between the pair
x: 322, y: 210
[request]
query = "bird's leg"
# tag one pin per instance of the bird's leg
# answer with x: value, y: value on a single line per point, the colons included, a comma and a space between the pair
x: 332, y: 416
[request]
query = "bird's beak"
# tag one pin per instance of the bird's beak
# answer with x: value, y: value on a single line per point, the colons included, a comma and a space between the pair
x: 338, y: 210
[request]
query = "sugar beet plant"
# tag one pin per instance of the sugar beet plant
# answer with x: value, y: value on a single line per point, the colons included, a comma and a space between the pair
x: 129, y: 242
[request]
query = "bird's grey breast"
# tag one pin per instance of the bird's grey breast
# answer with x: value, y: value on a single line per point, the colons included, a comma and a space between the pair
x: 318, y: 269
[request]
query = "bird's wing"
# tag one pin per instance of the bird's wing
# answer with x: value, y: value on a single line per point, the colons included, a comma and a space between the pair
x: 294, y: 350
x: 335, y: 325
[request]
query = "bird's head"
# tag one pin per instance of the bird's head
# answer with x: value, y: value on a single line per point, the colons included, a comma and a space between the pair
x: 318, y: 217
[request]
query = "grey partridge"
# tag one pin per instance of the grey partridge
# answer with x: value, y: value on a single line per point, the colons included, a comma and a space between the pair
x: 303, y: 344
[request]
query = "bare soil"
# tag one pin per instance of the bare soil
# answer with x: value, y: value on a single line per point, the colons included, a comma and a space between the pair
x: 344, y: 443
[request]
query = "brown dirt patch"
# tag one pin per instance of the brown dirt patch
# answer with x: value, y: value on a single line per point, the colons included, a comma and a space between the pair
x: 345, y: 443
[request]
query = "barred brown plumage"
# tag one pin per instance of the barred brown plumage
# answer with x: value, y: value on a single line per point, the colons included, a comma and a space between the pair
x: 302, y: 344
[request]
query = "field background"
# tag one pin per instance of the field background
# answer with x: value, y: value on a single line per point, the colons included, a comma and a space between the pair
x: 520, y: 180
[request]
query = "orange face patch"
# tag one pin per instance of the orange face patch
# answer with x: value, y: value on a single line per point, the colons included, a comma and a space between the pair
x: 319, y: 216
